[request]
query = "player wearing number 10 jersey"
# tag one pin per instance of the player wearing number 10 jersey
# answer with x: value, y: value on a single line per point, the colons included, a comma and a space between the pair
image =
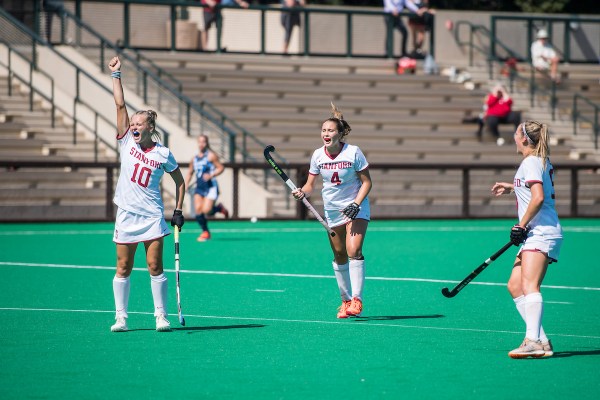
x: 538, y: 233
x: 140, y: 214
x: 346, y: 184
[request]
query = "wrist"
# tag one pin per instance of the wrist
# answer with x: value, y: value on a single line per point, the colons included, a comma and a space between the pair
x: 116, y: 74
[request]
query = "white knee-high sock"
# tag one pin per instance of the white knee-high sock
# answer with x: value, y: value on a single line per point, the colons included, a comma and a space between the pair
x: 121, y: 293
x: 159, y: 294
x: 357, y: 277
x: 342, y: 276
x: 534, y: 309
x: 520, y: 303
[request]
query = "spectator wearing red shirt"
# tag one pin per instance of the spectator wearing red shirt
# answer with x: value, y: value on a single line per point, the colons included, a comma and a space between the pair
x: 499, y: 111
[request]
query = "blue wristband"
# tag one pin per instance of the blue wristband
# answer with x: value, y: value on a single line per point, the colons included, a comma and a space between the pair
x: 116, y: 74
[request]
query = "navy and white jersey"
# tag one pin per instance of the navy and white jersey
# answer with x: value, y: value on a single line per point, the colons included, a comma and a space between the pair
x: 341, y: 182
x: 202, y: 165
x: 138, y: 187
x: 531, y: 171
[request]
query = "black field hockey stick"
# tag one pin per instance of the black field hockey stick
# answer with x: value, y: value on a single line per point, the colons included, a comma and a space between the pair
x: 477, y: 271
x: 181, y: 319
x: 291, y: 185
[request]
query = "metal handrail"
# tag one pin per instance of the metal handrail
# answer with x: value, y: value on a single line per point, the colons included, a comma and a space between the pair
x: 222, y: 122
x: 12, y: 73
x: 492, y: 57
x: 577, y: 116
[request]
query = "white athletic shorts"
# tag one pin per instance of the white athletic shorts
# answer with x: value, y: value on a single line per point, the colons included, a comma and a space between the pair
x: 135, y: 228
x: 549, y: 246
x: 336, y: 218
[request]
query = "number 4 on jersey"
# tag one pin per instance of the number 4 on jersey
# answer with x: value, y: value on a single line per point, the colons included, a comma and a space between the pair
x: 335, y: 179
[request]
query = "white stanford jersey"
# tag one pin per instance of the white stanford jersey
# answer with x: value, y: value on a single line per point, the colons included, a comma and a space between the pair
x: 340, y: 179
x: 138, y: 188
x: 532, y: 171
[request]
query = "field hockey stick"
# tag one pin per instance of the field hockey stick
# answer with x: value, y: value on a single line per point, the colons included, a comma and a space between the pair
x: 181, y: 319
x: 291, y: 185
x: 477, y: 271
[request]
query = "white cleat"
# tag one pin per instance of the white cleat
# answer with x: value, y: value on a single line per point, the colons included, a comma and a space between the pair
x: 120, y: 325
x: 162, y: 324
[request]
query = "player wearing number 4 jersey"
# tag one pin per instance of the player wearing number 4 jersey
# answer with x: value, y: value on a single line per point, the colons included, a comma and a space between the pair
x: 346, y: 184
x: 538, y: 233
x: 140, y: 214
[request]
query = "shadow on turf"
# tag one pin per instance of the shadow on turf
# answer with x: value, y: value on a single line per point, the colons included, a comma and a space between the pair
x: 204, y: 328
x: 394, y: 317
x: 216, y: 328
x: 561, y: 354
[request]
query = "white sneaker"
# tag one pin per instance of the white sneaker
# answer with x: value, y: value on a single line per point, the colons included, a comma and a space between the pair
x: 548, y: 349
x: 162, y: 324
x: 120, y: 325
x: 529, y: 348
x: 500, y: 141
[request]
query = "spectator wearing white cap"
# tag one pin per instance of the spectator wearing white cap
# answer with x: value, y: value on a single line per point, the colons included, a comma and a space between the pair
x: 543, y: 56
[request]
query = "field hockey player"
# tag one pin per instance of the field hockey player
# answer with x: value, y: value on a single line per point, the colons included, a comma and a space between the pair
x: 140, y: 214
x: 538, y: 233
x: 346, y: 184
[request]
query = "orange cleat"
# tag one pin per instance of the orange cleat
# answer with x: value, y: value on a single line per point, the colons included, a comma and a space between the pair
x: 343, y: 308
x: 204, y: 236
x: 355, y: 308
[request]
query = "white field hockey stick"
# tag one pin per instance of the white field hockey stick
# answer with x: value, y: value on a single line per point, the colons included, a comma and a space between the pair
x: 181, y: 319
x: 477, y: 271
x: 291, y: 185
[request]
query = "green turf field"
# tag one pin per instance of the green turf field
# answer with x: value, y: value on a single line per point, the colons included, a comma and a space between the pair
x: 260, y: 304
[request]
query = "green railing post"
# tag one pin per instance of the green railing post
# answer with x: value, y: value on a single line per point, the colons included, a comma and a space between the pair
x: 575, y: 115
x: 349, y: 34
x: 596, y: 127
x: 306, y: 33
x: 263, y: 49
x: 219, y: 28
x: 173, y: 17
x: 567, y: 42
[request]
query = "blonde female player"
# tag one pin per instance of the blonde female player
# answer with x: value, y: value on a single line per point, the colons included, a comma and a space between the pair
x: 538, y: 233
x: 140, y: 214
x: 205, y: 166
x: 346, y: 184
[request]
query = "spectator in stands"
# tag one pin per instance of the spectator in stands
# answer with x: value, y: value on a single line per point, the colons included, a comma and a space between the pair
x: 212, y: 14
x: 393, y: 20
x: 538, y: 234
x: 543, y: 56
x: 346, y: 185
x: 420, y: 23
x: 205, y: 167
x: 498, y: 110
x: 140, y: 214
x: 289, y: 19
x: 50, y: 8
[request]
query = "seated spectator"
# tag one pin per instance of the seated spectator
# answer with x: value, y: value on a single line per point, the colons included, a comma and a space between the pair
x: 498, y: 110
x: 420, y: 22
x: 544, y: 57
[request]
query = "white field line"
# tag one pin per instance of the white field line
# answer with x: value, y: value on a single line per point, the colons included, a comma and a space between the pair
x: 278, y: 274
x: 581, y: 229
x: 302, y: 321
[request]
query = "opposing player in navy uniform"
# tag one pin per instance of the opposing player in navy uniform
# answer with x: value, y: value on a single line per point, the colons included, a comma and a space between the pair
x: 346, y: 185
x: 538, y: 233
x: 140, y: 213
x: 205, y: 167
